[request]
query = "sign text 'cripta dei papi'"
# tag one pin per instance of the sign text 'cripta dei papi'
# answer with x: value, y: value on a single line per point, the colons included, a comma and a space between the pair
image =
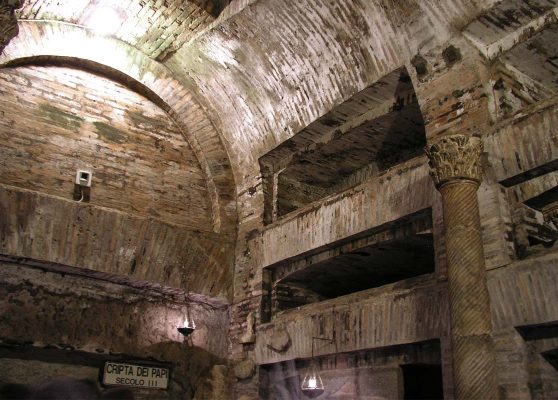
x: 140, y: 376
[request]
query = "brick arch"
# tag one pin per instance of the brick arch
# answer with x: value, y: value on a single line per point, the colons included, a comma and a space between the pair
x: 275, y: 67
x: 42, y: 42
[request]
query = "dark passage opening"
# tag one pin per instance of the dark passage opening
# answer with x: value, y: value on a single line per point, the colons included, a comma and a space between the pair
x: 374, y: 130
x: 394, y: 252
x: 368, y: 267
x: 422, y: 381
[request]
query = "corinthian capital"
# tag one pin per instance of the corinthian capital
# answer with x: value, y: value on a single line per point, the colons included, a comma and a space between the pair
x: 455, y: 157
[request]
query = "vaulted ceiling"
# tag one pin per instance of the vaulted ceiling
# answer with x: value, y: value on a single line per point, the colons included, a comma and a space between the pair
x: 242, y: 77
x: 158, y: 28
x: 261, y: 71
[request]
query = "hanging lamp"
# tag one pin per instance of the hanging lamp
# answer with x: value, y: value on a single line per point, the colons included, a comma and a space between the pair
x: 189, y: 325
x: 312, y: 385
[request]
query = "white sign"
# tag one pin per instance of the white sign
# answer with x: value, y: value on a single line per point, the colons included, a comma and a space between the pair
x: 140, y: 376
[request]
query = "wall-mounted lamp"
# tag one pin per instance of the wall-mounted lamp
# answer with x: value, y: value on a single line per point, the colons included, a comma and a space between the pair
x: 82, y: 186
x: 312, y: 385
x: 188, y: 328
x: 189, y: 324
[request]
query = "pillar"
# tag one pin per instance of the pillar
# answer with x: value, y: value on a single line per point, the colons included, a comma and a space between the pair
x: 456, y: 169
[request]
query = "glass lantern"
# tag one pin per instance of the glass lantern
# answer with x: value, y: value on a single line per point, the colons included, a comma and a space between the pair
x: 189, y: 326
x: 312, y: 385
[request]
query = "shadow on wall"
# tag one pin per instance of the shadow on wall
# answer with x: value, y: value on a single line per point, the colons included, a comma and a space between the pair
x: 68, y: 374
x: 410, y: 372
x: 194, y: 367
x: 63, y: 388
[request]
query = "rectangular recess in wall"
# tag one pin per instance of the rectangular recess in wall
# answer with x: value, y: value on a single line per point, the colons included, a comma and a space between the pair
x: 530, y: 174
x: 372, y: 131
x: 392, y: 252
x: 531, y: 201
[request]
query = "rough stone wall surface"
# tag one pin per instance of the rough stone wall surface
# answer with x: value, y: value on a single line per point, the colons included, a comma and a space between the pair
x: 85, y: 236
x: 508, y: 23
x: 371, y: 374
x: 155, y: 28
x: 525, y: 142
x: 360, y: 321
x: 72, y: 313
x: 276, y: 66
x: 379, y: 201
x: 525, y: 292
x: 401, y: 191
x: 298, y: 231
x: 36, y: 372
x: 314, y: 55
x: 522, y: 293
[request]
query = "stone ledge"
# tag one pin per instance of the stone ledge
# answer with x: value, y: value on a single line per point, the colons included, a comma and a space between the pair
x: 406, y: 312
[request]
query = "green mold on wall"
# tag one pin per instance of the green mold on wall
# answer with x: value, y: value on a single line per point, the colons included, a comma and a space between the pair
x: 110, y: 133
x: 60, y: 117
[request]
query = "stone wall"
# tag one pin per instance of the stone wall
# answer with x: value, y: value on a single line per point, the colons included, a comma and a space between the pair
x: 455, y: 91
x: 148, y: 213
x: 360, y: 321
x: 375, y: 374
x: 70, y: 320
x: 58, y: 120
x: 50, y: 42
x: 75, y: 234
x: 381, y: 200
x: 275, y: 67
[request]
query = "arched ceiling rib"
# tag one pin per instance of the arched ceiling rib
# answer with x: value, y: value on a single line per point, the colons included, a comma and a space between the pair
x: 43, y: 39
x: 275, y: 67
x: 157, y: 28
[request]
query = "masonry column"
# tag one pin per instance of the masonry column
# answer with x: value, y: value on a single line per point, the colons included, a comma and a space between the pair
x: 456, y: 170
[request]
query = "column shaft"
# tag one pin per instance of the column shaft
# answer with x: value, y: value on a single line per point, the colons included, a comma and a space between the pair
x: 473, y: 353
x: 456, y: 169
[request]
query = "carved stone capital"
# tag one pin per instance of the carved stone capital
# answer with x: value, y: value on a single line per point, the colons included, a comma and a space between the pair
x: 455, y: 157
x: 8, y: 21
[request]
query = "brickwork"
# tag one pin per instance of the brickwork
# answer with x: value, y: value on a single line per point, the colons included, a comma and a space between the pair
x: 57, y: 120
x: 95, y: 238
x: 265, y: 70
x: 155, y: 28
x: 40, y: 42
